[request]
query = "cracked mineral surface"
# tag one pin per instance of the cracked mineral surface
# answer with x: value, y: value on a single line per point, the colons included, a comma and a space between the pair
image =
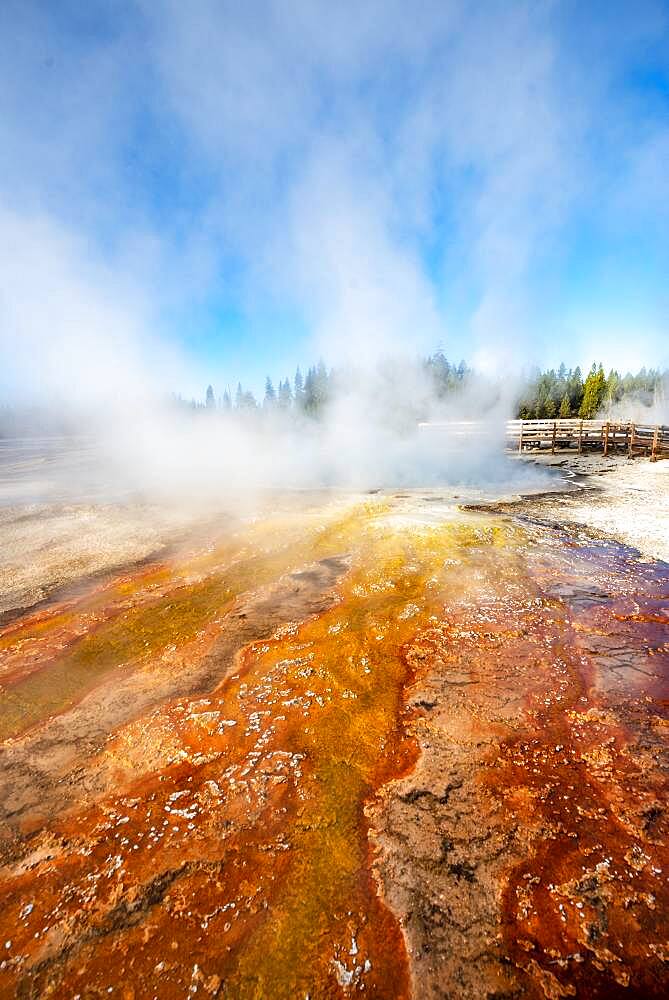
x: 386, y: 749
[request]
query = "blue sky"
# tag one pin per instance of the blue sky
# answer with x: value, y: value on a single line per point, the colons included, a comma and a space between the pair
x: 211, y: 191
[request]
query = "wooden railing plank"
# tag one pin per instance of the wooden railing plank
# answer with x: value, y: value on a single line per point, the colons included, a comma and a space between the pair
x: 601, y: 435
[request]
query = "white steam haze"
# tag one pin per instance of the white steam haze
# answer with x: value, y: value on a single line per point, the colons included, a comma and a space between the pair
x: 393, y: 178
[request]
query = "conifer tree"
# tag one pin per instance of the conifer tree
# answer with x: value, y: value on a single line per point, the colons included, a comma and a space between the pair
x: 270, y: 394
x: 320, y: 387
x: 575, y: 390
x: 309, y: 395
x: 285, y: 395
x: 593, y: 393
x: 298, y: 382
x: 613, y: 389
x: 249, y: 401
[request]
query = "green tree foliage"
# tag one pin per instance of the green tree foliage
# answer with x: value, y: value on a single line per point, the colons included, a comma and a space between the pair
x: 575, y: 389
x: 565, y: 391
x: 316, y: 390
x: 594, y: 393
x: 613, y: 390
x: 547, y: 394
x: 445, y: 378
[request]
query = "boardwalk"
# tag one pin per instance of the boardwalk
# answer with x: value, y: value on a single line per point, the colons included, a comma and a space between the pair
x: 607, y: 436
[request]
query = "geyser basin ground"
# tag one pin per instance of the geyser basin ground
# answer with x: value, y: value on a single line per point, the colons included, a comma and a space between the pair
x: 375, y: 747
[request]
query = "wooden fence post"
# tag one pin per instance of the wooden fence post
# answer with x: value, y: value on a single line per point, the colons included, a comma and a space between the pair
x: 656, y: 435
x: 650, y: 440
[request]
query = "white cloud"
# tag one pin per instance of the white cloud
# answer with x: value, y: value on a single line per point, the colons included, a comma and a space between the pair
x: 352, y: 163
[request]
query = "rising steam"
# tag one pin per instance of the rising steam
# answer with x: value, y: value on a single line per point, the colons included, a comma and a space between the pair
x: 372, y: 181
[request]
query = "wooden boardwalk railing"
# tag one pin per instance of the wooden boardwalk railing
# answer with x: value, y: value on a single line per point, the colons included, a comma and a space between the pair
x: 608, y: 436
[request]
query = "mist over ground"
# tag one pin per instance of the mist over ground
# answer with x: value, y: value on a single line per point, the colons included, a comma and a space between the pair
x: 381, y: 428
x: 195, y: 194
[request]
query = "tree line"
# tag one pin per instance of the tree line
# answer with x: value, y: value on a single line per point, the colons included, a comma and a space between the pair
x: 309, y: 394
x: 408, y: 391
x: 565, y: 393
x: 543, y: 395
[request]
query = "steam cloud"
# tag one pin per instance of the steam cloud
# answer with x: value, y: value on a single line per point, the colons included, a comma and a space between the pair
x: 301, y: 154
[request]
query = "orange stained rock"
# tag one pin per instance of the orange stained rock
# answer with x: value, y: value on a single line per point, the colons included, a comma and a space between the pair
x: 135, y: 619
x: 233, y: 858
x: 241, y: 865
x: 585, y: 912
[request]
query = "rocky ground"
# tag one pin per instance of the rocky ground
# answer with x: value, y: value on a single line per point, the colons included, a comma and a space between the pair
x: 379, y: 746
x: 621, y: 499
x: 517, y: 844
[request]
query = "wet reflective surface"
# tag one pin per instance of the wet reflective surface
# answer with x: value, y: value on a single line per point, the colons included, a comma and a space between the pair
x: 386, y: 750
x: 589, y: 906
